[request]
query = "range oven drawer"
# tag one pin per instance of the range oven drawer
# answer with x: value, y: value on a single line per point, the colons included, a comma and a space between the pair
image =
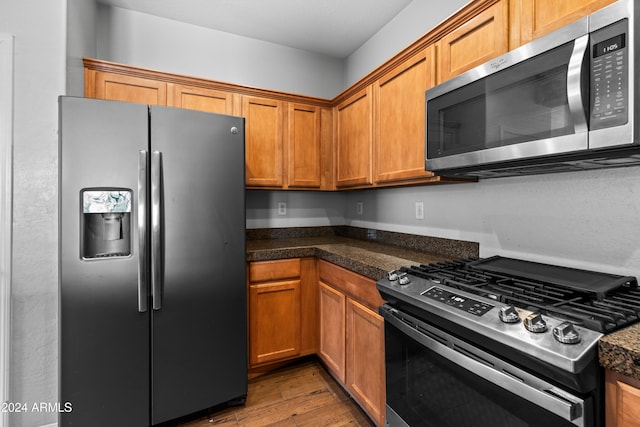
x: 435, y: 379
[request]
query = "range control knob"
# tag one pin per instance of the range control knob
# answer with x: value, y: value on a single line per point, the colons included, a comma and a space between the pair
x: 392, y: 275
x: 566, y: 333
x: 403, y: 279
x: 535, y: 323
x: 508, y: 314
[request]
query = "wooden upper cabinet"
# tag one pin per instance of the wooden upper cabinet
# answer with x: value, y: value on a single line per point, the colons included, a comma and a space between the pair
x: 304, y: 122
x: 118, y: 87
x: 354, y: 126
x: 474, y: 42
x: 198, y: 98
x: 263, y: 141
x: 540, y: 17
x: 399, y: 124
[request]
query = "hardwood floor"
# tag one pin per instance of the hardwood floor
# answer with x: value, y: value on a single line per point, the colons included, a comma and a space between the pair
x: 303, y: 394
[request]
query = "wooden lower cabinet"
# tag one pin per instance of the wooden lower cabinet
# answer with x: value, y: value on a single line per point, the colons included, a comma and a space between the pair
x: 352, y: 336
x: 282, y: 305
x: 303, y: 306
x: 275, y: 321
x: 622, y: 395
x: 365, y: 359
x: 331, y: 348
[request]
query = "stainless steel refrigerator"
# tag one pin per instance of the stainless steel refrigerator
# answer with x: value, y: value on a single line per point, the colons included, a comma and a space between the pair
x: 152, y: 262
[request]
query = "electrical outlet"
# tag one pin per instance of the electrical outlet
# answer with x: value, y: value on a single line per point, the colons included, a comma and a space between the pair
x: 282, y: 208
x: 419, y: 210
x: 360, y: 208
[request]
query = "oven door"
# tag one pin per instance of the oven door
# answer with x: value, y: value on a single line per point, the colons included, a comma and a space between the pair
x: 435, y: 379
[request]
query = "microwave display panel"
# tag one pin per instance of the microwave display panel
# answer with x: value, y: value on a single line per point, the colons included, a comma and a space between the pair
x: 609, y: 46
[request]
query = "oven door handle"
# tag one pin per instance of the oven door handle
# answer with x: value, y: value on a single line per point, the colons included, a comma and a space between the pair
x: 490, y: 368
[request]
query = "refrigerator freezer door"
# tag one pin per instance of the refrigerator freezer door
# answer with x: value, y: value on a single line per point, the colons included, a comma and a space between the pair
x: 104, y: 339
x: 199, y: 342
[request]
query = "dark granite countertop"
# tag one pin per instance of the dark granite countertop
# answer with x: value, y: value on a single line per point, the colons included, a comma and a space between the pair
x: 620, y: 351
x: 371, y: 260
x: 370, y: 253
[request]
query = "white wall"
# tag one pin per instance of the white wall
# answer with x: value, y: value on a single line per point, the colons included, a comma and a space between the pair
x: 304, y: 209
x: 81, y: 42
x: 39, y: 30
x: 151, y: 42
x: 413, y: 22
x: 585, y: 219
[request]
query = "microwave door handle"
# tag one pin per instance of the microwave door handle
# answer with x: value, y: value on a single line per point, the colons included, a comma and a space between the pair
x: 574, y: 84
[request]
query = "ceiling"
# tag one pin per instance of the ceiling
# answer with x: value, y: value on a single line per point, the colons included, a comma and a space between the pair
x: 330, y: 27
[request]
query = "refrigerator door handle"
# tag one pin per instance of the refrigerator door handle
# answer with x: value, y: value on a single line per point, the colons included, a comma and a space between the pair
x: 157, y: 272
x: 143, y: 275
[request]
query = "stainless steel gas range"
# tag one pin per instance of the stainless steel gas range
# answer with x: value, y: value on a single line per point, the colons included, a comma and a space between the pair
x: 499, y: 342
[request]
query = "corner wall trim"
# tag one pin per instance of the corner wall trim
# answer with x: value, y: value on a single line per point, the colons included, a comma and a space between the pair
x: 6, y: 187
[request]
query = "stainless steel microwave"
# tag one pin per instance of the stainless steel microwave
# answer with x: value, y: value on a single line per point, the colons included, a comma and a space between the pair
x: 564, y: 102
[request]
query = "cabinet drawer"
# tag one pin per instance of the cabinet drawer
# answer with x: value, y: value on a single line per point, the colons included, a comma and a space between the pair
x: 274, y: 270
x: 354, y: 285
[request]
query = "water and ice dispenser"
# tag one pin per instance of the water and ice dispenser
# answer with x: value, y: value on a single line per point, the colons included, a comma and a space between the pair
x: 106, y: 223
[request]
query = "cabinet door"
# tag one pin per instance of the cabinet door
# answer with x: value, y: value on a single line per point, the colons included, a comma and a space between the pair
x: 476, y: 41
x: 202, y: 99
x: 365, y: 359
x: 263, y: 139
x: 274, y: 323
x: 399, y: 135
x: 540, y: 17
x: 118, y: 87
x: 304, y: 145
x: 332, y: 310
x: 628, y: 405
x: 308, y: 306
x: 354, y: 140
x: 622, y: 396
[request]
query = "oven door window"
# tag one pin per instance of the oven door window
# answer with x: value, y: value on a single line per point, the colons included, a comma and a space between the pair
x: 426, y: 389
x: 525, y: 102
